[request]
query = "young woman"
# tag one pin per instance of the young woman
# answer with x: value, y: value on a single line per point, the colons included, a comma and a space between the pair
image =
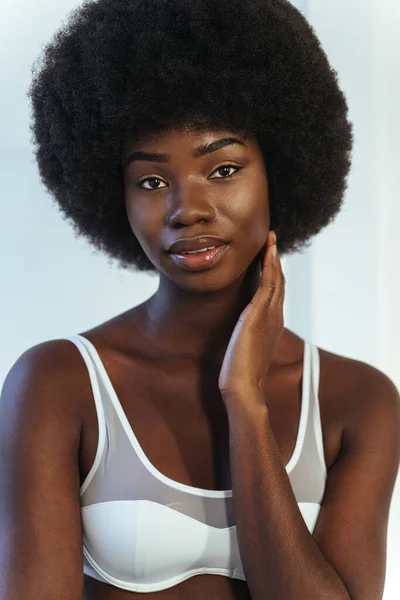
x: 193, y: 447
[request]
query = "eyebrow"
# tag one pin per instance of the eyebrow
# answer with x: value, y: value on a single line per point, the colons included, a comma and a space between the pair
x: 197, y: 152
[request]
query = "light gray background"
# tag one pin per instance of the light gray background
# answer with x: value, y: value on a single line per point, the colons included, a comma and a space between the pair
x: 343, y: 293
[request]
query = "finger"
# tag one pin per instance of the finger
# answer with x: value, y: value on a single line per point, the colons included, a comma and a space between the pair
x: 263, y: 254
x: 267, y: 282
x: 279, y: 276
x: 272, y: 250
x: 274, y: 279
x: 266, y: 252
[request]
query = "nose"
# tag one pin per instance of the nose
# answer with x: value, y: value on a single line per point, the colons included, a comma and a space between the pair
x: 187, y: 208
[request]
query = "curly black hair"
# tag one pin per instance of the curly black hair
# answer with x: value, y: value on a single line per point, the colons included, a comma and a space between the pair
x: 119, y: 70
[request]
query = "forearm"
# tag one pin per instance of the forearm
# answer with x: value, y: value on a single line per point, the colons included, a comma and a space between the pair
x: 280, y: 558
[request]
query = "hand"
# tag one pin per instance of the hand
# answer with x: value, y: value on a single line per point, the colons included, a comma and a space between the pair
x: 257, y: 332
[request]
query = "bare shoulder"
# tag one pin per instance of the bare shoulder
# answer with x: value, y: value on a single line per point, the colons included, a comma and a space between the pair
x: 40, y: 432
x: 354, y: 397
x: 51, y: 372
x: 51, y: 353
x: 352, y: 526
x: 358, y: 394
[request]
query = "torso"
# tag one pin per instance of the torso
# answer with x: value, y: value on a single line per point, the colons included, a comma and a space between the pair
x: 169, y: 404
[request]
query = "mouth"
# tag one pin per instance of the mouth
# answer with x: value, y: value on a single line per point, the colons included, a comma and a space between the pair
x: 200, y: 260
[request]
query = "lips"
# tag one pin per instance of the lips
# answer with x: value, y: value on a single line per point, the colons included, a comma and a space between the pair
x: 202, y: 261
x: 192, y: 244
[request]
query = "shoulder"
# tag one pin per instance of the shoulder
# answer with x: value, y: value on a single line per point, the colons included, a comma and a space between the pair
x: 40, y: 432
x: 361, y: 395
x: 355, y: 399
x: 46, y: 376
x: 352, y: 525
x: 51, y: 359
x: 357, y: 379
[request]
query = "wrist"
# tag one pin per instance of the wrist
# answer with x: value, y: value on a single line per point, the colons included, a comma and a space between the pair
x: 247, y: 399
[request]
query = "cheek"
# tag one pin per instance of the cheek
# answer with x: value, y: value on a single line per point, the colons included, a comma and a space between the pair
x: 137, y: 225
x: 132, y: 217
x: 250, y: 210
x: 136, y: 219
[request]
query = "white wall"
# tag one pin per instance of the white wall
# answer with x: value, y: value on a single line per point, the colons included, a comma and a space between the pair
x: 51, y: 283
x: 342, y: 293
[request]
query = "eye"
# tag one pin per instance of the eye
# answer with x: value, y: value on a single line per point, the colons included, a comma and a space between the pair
x: 237, y: 169
x: 139, y: 184
x: 156, y: 179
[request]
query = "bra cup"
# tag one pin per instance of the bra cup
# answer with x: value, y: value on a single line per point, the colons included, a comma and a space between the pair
x: 111, y: 537
x: 149, y: 543
x: 157, y: 547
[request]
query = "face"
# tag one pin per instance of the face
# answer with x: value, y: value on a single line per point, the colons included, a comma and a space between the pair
x: 220, y: 190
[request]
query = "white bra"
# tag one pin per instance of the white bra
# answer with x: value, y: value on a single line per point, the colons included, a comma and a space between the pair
x: 145, y: 532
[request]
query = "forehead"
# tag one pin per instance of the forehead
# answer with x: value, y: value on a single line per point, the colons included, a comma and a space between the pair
x: 159, y: 147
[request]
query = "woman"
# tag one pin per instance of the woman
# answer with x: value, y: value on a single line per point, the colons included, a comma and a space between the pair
x: 193, y: 445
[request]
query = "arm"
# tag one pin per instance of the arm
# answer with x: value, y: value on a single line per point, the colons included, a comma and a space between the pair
x: 40, y: 527
x: 344, y: 559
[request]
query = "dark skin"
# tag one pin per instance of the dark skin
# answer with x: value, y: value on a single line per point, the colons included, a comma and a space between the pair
x: 164, y: 358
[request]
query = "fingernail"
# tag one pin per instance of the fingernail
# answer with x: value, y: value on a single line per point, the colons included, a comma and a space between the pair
x: 274, y: 251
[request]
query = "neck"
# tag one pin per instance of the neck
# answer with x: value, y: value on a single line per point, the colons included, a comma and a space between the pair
x: 197, y: 326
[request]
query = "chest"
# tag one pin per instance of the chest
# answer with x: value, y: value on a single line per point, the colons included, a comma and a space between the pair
x: 180, y: 420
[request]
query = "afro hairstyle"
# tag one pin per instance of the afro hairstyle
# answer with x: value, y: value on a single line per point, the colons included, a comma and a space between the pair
x: 117, y: 71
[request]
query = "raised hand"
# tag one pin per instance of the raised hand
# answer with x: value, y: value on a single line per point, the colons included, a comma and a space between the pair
x: 257, y: 332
